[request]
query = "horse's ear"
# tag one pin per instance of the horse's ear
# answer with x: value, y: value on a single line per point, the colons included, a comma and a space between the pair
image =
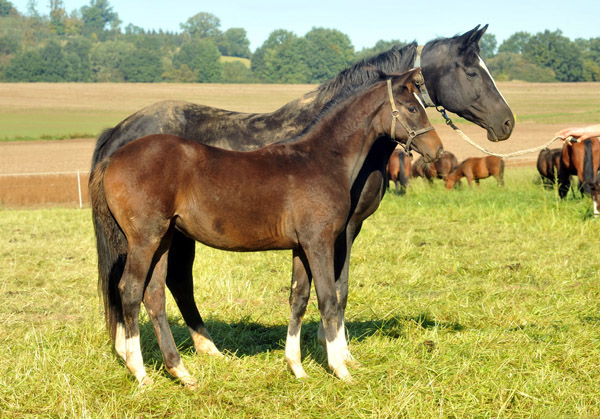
x: 472, y: 37
x: 406, y: 78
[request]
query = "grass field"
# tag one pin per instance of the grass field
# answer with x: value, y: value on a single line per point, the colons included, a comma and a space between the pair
x: 463, y: 303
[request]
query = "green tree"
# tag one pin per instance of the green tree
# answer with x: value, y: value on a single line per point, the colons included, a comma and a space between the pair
x: 78, y: 52
x: 328, y: 51
x: 106, y: 59
x: 58, y: 17
x: 201, y: 56
x: 278, y: 39
x: 7, y: 8
x: 142, y: 66
x: 506, y: 66
x: 487, y: 45
x: 238, y: 44
x: 97, y: 17
x: 286, y: 63
x: 202, y: 25
x: 515, y: 43
x: 553, y: 50
x: 25, y: 66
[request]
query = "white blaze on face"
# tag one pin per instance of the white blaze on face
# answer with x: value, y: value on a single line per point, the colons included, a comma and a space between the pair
x: 482, y: 65
x: 419, y: 99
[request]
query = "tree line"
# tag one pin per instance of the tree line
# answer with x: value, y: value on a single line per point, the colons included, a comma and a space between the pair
x: 89, y: 45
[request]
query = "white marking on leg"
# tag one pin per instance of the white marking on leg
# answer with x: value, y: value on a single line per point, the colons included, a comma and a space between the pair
x: 293, y: 354
x: 595, y: 202
x: 203, y: 343
x: 120, y: 344
x: 135, y: 362
x: 336, y: 356
x: 482, y: 65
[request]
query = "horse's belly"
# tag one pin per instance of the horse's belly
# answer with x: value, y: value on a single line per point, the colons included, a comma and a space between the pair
x: 236, y: 233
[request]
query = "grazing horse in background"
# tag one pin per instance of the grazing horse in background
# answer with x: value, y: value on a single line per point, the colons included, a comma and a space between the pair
x: 548, y: 165
x: 476, y: 168
x: 455, y: 77
x: 294, y: 194
x: 398, y: 170
x: 440, y: 169
x: 580, y: 159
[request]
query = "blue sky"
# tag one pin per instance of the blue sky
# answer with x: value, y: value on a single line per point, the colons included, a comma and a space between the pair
x: 365, y: 22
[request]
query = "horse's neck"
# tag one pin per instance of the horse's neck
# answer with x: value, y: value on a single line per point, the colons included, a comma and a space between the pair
x: 344, y: 136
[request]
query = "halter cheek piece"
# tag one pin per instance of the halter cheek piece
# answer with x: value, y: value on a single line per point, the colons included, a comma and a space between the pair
x: 396, y: 117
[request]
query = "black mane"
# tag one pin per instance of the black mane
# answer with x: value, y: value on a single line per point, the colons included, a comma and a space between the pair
x: 360, y: 74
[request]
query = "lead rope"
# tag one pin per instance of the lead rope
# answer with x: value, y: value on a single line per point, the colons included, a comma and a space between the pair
x: 491, y: 153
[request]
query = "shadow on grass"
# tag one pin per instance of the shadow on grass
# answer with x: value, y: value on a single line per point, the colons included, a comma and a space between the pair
x: 248, y: 338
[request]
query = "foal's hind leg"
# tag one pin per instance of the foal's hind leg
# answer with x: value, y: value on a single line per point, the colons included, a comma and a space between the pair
x: 181, y: 284
x: 131, y: 288
x: 299, y: 295
x: 154, y: 300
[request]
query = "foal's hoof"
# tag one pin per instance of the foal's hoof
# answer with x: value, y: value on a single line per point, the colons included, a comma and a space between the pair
x: 189, y: 382
x: 146, y: 382
x: 343, y: 374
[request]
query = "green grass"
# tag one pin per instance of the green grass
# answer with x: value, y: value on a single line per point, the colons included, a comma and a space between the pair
x: 48, y: 124
x: 463, y: 303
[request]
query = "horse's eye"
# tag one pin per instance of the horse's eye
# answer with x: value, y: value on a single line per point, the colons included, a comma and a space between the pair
x: 471, y: 73
x: 412, y: 109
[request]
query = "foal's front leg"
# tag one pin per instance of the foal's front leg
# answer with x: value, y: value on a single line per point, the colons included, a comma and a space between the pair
x: 320, y: 259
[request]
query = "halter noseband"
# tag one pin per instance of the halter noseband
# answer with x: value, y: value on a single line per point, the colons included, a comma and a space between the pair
x: 396, y: 117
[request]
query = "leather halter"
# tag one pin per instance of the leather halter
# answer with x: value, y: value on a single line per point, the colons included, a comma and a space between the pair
x: 420, y: 81
x: 396, y: 117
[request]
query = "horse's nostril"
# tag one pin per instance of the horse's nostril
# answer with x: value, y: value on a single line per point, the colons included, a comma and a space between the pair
x: 508, y: 126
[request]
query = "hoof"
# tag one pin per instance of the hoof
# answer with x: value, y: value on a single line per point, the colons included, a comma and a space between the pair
x: 343, y: 374
x: 146, y: 382
x: 189, y: 382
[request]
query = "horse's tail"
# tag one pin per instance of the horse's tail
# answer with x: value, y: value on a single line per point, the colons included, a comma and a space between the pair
x: 100, y: 143
x: 402, y: 173
x: 502, y: 164
x: 111, y: 245
x: 588, y: 166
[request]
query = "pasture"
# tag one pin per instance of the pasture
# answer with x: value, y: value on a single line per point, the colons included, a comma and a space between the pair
x: 463, y: 303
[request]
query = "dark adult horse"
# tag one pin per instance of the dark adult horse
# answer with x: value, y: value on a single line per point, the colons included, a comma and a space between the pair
x: 455, y: 78
x: 439, y: 169
x: 294, y: 194
x: 476, y: 168
x: 548, y: 165
x: 398, y: 170
x: 580, y: 159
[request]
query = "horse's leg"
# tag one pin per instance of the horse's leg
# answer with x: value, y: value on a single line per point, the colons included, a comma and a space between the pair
x: 181, y: 284
x: 154, y: 300
x: 299, y: 295
x: 131, y: 289
x: 320, y: 257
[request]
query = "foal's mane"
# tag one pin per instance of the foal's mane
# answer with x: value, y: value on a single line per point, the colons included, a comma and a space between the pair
x: 344, y: 93
x: 395, y: 60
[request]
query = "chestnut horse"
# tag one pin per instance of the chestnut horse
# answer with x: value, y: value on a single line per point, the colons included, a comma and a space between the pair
x: 580, y: 159
x: 439, y: 169
x: 476, y: 168
x: 294, y: 194
x: 455, y: 77
x: 548, y: 163
x: 398, y: 170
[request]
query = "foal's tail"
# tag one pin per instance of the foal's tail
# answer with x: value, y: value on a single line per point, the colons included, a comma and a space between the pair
x: 588, y: 166
x: 112, y: 249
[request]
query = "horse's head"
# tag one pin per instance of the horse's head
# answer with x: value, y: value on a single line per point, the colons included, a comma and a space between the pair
x: 409, y: 122
x: 457, y: 79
